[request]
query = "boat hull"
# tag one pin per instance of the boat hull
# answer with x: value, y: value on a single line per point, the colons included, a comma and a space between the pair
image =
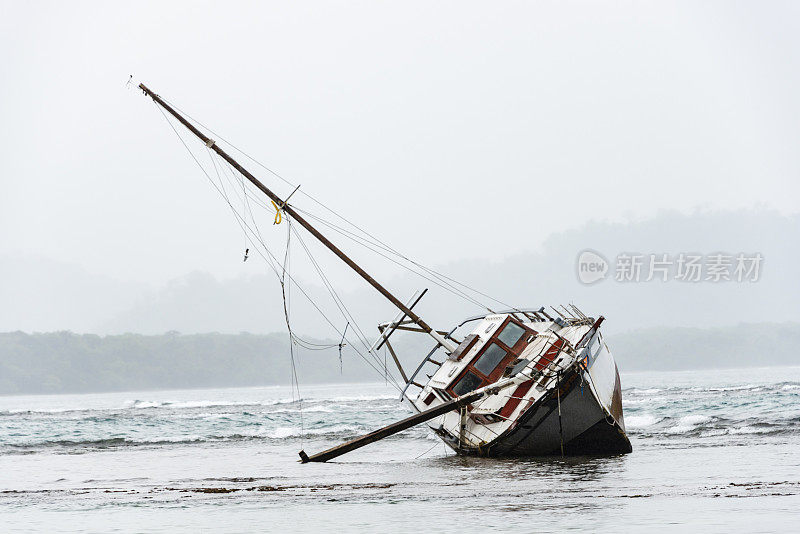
x: 570, y: 420
x: 580, y: 415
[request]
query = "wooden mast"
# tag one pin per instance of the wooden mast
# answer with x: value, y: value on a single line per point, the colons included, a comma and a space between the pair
x: 305, y: 224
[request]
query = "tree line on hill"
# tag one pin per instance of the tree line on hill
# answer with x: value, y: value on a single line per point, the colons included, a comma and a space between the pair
x: 65, y: 362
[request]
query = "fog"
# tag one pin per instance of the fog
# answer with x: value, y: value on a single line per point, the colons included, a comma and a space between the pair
x: 52, y: 296
x: 492, y: 142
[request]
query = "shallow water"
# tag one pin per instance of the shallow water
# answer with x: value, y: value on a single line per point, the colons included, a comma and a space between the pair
x: 716, y: 450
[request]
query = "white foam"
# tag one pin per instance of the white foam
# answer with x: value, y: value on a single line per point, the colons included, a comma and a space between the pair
x: 680, y: 429
x: 362, y: 398
x: 747, y: 430
x: 688, y: 423
x: 203, y: 403
x: 644, y: 400
x: 736, y: 388
x: 143, y: 404
x: 694, y: 419
x: 641, y: 421
x: 283, y: 432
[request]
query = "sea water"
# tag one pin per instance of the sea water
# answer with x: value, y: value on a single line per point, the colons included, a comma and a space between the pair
x: 716, y: 451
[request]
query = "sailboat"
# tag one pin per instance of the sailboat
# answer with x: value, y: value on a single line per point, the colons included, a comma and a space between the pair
x: 513, y: 382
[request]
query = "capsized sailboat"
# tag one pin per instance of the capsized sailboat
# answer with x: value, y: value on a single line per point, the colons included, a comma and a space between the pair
x: 517, y: 382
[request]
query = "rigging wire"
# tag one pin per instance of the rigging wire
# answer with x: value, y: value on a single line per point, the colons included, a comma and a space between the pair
x: 440, y: 280
x: 337, y: 299
x: 426, y: 452
x: 377, y: 241
x: 270, y: 257
x: 286, y: 292
x: 231, y: 179
x: 357, y: 239
x: 341, y: 344
x: 360, y: 240
x: 341, y: 305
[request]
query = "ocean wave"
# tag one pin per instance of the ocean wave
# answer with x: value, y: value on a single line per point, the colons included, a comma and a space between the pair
x: 745, y: 387
x: 688, y: 423
x: 351, y: 398
x: 145, y: 404
x: 173, y: 404
x: 713, y: 432
x: 272, y: 433
x: 641, y: 421
x: 283, y: 432
x: 102, y: 443
x: 628, y: 401
x: 709, y: 426
x: 637, y: 396
x: 116, y: 443
x: 307, y: 409
x: 49, y: 411
x: 765, y: 429
x: 750, y: 430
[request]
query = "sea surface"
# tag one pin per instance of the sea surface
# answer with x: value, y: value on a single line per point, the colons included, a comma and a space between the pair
x: 713, y: 451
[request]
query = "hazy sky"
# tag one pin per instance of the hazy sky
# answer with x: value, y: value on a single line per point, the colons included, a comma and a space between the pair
x: 451, y: 129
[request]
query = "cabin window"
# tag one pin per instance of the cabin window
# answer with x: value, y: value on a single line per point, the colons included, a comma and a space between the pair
x: 490, y: 358
x: 519, y: 365
x: 466, y: 384
x: 498, y: 357
x: 429, y: 399
x: 511, y: 334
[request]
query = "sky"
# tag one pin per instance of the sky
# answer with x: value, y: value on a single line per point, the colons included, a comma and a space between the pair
x: 456, y: 131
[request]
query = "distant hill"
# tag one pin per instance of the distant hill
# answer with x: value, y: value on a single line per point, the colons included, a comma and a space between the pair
x: 42, y: 295
x: 744, y: 345
x: 64, y: 362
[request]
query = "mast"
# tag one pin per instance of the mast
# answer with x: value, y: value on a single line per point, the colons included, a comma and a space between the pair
x: 304, y: 223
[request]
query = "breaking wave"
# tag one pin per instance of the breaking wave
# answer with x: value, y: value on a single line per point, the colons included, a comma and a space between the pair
x: 705, y: 426
x: 641, y: 421
x: 659, y: 412
x: 721, y: 413
x: 144, y: 404
x: 279, y: 433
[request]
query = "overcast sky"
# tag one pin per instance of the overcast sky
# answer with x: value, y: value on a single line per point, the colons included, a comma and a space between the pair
x: 451, y: 129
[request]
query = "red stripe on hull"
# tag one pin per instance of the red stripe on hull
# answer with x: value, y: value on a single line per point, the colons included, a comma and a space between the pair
x: 515, y: 399
x: 548, y: 357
